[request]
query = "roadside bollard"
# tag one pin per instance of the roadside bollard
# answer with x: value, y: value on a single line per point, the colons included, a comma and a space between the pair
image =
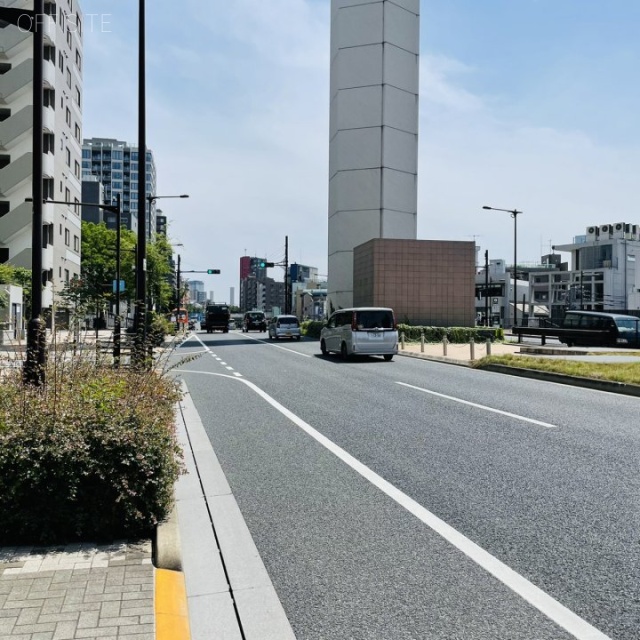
x: 472, y: 345
x: 488, y: 346
x: 444, y: 345
x: 402, y: 340
x: 422, y: 341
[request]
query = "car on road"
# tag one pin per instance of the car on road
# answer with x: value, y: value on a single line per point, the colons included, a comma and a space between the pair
x: 367, y: 331
x: 284, y: 327
x: 254, y: 321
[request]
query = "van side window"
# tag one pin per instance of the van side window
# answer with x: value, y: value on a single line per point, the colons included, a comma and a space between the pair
x: 570, y: 321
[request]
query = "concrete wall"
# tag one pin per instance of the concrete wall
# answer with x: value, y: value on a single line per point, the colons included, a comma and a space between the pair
x: 373, y: 130
x: 428, y: 282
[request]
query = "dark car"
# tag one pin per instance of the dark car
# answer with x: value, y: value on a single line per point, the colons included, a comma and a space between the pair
x: 217, y: 318
x: 254, y: 321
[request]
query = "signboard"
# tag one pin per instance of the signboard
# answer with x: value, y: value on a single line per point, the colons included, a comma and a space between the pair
x: 121, y: 286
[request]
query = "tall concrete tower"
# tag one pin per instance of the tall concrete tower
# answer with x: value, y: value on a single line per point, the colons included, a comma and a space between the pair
x: 373, y: 150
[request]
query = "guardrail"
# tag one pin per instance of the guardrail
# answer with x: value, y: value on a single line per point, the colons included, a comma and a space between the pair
x: 596, y: 337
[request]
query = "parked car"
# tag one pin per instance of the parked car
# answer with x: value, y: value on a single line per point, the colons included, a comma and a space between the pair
x: 370, y: 331
x: 616, y: 330
x: 254, y: 321
x: 284, y: 327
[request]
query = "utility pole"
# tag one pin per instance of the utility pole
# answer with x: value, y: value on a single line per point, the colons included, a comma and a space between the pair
x: 178, y: 296
x: 287, y: 297
x: 116, y: 322
x: 486, y: 288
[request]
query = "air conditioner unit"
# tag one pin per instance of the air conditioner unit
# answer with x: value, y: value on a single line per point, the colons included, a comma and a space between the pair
x: 606, y: 230
x: 618, y: 230
x: 606, y: 264
x: 631, y: 232
x: 592, y: 233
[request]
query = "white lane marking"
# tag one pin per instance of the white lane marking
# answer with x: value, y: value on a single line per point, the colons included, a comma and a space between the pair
x: 535, y: 596
x: 278, y: 346
x: 229, y: 368
x: 481, y: 406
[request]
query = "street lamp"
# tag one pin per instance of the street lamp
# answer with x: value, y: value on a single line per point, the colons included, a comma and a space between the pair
x: 514, y: 214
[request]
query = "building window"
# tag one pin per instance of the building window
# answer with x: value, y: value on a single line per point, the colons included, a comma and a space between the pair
x: 68, y: 78
x: 76, y: 244
x: 68, y: 116
x: 76, y: 169
x: 67, y: 195
x: 48, y: 143
x: 78, y: 133
x: 48, y: 189
x: 78, y: 60
x: 49, y: 98
x: 67, y: 237
x: 78, y: 97
x: 66, y: 276
x: 67, y: 155
x: 61, y: 61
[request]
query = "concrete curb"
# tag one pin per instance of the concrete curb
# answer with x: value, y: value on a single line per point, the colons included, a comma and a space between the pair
x: 167, y: 553
x: 575, y: 381
x: 560, y: 378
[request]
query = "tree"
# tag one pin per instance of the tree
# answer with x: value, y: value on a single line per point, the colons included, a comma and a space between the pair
x: 159, y: 272
x: 20, y: 277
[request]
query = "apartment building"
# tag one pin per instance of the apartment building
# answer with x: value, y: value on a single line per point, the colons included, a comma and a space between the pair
x: 115, y: 164
x: 62, y: 143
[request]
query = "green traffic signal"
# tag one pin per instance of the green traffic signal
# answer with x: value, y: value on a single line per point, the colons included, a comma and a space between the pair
x: 214, y: 271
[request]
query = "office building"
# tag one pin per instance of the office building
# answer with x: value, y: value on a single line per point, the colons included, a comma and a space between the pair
x: 115, y: 164
x: 62, y: 144
x: 373, y: 147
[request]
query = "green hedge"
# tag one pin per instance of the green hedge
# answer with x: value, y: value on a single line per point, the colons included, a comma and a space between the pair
x: 458, y: 335
x: 92, y: 456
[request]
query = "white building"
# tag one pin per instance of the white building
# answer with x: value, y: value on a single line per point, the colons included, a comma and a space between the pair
x: 115, y: 164
x: 373, y: 149
x: 603, y: 274
x: 62, y: 140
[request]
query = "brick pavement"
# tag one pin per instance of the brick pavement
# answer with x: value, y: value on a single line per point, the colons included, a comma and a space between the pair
x: 77, y: 591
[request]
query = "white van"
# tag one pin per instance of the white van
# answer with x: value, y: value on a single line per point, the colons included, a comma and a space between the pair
x: 367, y: 331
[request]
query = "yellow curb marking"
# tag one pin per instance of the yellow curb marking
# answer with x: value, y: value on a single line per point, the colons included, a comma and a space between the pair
x: 172, y: 614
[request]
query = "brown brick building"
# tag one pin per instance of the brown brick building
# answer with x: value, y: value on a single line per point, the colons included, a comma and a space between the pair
x: 428, y: 282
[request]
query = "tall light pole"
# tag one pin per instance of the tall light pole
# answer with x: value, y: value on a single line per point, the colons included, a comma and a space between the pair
x: 514, y: 214
x: 140, y: 318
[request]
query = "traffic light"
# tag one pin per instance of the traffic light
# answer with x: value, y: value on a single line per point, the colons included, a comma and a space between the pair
x: 263, y: 265
x: 214, y: 271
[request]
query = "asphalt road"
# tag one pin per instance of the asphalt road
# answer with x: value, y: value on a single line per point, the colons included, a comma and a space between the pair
x: 419, y: 500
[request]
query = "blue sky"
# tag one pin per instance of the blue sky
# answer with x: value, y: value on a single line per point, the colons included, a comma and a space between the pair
x: 527, y: 104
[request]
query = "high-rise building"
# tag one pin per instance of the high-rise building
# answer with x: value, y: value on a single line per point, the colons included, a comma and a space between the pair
x: 62, y: 140
x: 115, y: 163
x: 373, y: 149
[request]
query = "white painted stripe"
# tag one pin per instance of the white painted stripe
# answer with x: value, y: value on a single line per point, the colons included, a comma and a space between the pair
x: 277, y: 346
x: 229, y: 368
x: 543, y: 602
x: 481, y: 406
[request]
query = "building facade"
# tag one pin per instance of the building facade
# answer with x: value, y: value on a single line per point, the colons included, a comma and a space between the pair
x: 62, y: 144
x: 426, y: 282
x: 115, y: 164
x: 373, y: 148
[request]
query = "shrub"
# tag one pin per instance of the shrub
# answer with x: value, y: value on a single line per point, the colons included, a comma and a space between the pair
x: 311, y: 328
x: 93, y: 455
x: 458, y: 335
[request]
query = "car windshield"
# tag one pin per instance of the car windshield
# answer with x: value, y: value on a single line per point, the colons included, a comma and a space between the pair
x: 627, y: 323
x: 217, y: 309
x: 375, y: 319
x: 289, y: 320
x: 255, y: 316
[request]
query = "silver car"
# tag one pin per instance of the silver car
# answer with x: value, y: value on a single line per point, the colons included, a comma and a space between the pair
x: 367, y: 331
x: 284, y: 327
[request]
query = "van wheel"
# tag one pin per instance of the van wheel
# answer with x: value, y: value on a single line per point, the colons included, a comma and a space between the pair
x: 388, y: 356
x: 343, y: 351
x: 323, y: 348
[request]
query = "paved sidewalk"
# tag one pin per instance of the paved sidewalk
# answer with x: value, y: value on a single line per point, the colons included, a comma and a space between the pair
x: 77, y: 591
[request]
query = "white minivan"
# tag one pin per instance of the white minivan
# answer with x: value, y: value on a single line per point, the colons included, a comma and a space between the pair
x: 366, y: 331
